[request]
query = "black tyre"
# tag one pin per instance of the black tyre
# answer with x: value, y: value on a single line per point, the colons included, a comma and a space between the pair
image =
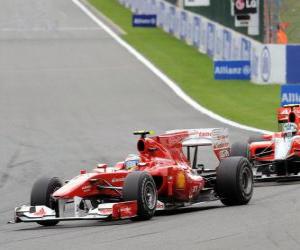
x: 234, y: 183
x: 255, y: 138
x: 41, y: 194
x: 141, y: 187
x: 240, y: 149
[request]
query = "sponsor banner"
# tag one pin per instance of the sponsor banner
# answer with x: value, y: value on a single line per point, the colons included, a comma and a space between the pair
x: 236, y: 47
x: 189, y: 36
x: 144, y: 21
x: 172, y: 19
x: 161, y: 14
x: 166, y: 19
x: 193, y: 3
x: 150, y: 7
x: 153, y: 7
x: 218, y: 43
x: 232, y: 70
x: 245, y: 49
x: 142, y: 7
x: 183, y: 30
x: 255, y: 62
x: 244, y: 7
x: 290, y: 94
x: 211, y: 34
x: 267, y: 63
x: 177, y: 19
x: 196, y: 32
x: 293, y: 63
x: 203, y: 36
x: 146, y: 7
x: 227, y: 44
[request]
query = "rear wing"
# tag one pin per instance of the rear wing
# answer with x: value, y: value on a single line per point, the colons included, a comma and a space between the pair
x: 218, y: 138
x: 289, y: 113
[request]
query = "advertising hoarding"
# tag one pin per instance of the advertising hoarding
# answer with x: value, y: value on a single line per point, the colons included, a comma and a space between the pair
x: 293, y: 63
x: 195, y: 3
x: 290, y: 94
x: 232, y: 70
x: 148, y: 21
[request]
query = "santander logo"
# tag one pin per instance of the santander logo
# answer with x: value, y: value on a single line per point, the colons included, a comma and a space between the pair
x: 40, y: 213
x: 240, y: 4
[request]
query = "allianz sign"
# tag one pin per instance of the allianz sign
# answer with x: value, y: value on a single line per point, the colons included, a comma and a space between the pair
x: 290, y: 94
x: 232, y: 70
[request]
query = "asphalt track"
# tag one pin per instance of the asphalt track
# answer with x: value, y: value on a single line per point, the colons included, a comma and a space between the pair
x: 70, y: 97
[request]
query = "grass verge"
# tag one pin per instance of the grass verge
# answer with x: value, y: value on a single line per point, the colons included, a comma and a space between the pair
x: 240, y: 101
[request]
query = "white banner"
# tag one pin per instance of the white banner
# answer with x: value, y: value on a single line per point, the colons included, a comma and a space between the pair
x: 267, y: 63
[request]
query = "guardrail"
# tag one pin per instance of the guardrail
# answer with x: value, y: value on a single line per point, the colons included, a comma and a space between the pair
x: 270, y: 63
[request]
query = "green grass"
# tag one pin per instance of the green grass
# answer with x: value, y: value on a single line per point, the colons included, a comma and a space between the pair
x: 240, y: 101
x: 290, y: 13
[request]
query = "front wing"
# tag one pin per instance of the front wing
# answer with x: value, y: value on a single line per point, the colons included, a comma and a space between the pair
x: 107, y: 211
x: 277, y: 171
x: 276, y: 178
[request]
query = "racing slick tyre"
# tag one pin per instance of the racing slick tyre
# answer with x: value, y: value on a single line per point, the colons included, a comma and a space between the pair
x: 255, y: 138
x: 141, y: 187
x: 41, y: 194
x: 240, y: 149
x: 234, y: 183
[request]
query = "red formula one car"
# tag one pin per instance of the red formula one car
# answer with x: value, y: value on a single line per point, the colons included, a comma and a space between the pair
x: 161, y: 177
x: 275, y: 156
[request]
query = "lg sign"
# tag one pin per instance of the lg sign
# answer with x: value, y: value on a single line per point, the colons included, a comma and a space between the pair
x: 244, y: 7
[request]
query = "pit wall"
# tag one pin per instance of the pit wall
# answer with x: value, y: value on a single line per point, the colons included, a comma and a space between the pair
x: 270, y: 63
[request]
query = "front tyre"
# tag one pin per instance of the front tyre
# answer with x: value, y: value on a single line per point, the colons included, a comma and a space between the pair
x: 41, y: 194
x: 234, y: 183
x: 141, y: 187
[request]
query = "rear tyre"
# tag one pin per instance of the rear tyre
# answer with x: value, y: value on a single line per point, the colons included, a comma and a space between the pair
x: 234, y: 184
x: 41, y: 194
x: 141, y: 187
x: 240, y: 149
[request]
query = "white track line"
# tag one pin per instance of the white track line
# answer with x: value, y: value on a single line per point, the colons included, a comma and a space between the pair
x: 162, y: 76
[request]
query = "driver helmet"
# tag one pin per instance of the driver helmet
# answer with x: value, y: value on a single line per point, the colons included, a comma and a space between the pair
x: 289, y: 129
x: 131, y: 161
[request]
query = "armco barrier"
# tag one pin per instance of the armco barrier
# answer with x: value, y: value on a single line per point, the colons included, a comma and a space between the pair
x: 270, y: 63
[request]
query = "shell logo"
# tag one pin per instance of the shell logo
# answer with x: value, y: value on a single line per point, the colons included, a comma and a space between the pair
x: 180, y: 181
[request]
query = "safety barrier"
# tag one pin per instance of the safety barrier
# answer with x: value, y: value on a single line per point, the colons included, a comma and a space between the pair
x: 270, y: 63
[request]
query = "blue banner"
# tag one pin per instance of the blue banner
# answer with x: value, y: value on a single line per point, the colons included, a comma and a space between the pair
x: 292, y: 63
x: 290, y: 94
x: 232, y: 70
x: 144, y: 20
